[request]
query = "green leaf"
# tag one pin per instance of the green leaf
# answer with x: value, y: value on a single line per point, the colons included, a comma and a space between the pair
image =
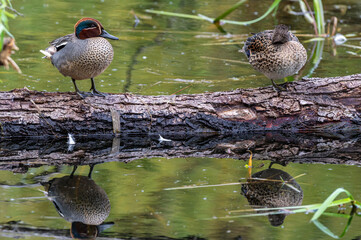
x: 226, y: 13
x: 324, y: 229
x: 327, y: 203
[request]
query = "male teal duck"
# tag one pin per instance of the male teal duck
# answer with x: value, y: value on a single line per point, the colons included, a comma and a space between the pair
x: 275, y: 53
x: 83, y: 54
x: 79, y: 200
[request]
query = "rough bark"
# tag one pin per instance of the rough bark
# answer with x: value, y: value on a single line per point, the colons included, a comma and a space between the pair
x: 324, y: 104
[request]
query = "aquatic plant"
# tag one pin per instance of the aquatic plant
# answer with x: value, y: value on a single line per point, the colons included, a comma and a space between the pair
x: 220, y: 18
x: 6, y: 11
x: 318, y: 21
x: 318, y: 209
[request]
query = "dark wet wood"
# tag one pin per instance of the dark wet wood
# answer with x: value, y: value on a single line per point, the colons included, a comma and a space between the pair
x: 280, y: 147
x: 20, y: 230
x: 326, y: 104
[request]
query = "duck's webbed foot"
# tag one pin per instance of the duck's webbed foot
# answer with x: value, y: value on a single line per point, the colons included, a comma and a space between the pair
x: 277, y: 87
x: 80, y: 93
x: 83, y: 94
x: 94, y: 91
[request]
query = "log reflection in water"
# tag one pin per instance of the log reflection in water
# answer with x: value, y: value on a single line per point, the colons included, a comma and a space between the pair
x: 333, y: 148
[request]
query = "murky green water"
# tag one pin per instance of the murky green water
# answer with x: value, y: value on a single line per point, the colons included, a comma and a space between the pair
x: 166, y: 55
x: 141, y: 207
x: 163, y: 55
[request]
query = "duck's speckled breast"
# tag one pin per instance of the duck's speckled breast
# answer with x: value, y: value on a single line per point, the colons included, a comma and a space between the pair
x: 280, y: 60
x: 79, y: 199
x: 84, y: 59
x: 276, y: 61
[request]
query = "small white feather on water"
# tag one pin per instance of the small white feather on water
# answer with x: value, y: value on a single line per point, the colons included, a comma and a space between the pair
x: 339, y: 39
x: 71, y: 140
x: 161, y: 139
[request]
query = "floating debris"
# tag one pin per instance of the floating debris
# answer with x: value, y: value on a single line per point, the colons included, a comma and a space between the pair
x: 71, y: 140
x: 339, y: 39
x: 161, y: 139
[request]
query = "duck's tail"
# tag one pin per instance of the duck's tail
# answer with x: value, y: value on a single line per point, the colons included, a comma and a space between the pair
x: 46, y: 53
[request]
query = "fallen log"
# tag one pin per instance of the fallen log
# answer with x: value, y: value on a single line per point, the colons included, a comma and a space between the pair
x: 311, y: 104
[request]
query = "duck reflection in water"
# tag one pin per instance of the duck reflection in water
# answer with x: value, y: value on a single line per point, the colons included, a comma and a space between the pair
x: 79, y: 200
x: 272, y: 188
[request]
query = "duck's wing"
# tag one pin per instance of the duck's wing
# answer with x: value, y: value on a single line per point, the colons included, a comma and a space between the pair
x: 61, y: 42
x: 258, y: 42
x: 56, y: 45
x: 293, y: 37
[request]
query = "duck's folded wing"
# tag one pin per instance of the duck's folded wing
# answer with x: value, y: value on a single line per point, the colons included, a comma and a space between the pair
x: 61, y: 42
x: 56, y: 45
x: 258, y: 42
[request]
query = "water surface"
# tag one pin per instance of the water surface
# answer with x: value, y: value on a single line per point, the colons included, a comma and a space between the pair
x: 168, y: 55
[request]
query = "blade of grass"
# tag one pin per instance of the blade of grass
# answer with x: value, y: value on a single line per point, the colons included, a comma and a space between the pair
x: 317, y: 56
x: 270, y: 9
x: 182, y: 15
x: 320, y: 20
x: 202, y: 186
x: 300, y: 209
x: 226, y: 13
x: 351, y: 46
x: 224, y: 60
x: 275, y: 11
x: 206, y: 18
x: 306, y: 12
x: 202, y: 17
x: 309, y: 13
x: 328, y: 232
x: 324, y: 229
x: 329, y: 201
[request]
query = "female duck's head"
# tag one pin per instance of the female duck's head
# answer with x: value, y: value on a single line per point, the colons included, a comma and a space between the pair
x: 281, y: 34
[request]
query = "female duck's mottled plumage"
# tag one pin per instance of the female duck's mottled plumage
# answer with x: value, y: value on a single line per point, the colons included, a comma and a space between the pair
x: 275, y: 53
x: 267, y: 188
x: 83, y: 54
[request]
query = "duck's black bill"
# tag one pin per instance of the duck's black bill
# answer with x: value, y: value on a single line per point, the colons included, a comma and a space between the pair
x: 105, y: 34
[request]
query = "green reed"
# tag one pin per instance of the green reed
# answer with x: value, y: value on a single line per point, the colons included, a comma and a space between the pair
x: 318, y: 209
x: 320, y: 19
x: 221, y: 17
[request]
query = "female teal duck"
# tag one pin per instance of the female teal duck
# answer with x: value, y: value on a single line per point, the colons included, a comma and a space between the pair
x: 275, y: 53
x: 83, y: 54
